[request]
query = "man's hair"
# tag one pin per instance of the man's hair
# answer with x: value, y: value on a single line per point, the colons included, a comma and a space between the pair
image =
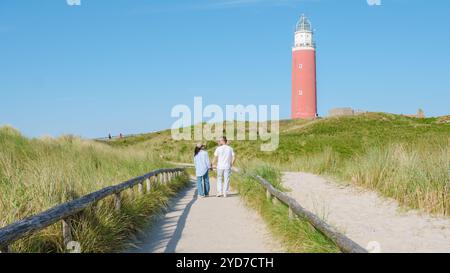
x: 224, y: 138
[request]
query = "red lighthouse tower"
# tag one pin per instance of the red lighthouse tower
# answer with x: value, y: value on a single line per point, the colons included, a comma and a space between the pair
x: 304, y: 91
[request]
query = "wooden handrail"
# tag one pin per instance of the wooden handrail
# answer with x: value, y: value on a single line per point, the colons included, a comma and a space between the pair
x: 13, y: 232
x: 344, y: 243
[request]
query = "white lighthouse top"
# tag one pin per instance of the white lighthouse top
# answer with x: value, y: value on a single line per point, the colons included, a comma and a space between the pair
x: 304, y: 34
x: 303, y: 24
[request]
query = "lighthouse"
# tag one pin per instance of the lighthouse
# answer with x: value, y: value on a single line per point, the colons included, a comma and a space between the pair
x: 304, y: 89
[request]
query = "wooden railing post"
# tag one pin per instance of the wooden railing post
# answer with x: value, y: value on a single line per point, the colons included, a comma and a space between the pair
x: 268, y: 195
x: 66, y: 231
x: 149, y: 185
x: 117, y: 201
x: 140, y: 189
x: 291, y: 213
x: 275, y: 201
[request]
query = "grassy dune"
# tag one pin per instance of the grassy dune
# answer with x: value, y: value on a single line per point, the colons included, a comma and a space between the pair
x: 401, y: 157
x: 36, y: 174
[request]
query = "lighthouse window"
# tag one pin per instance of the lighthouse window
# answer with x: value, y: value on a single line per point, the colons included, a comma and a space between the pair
x: 300, y: 92
x: 300, y: 66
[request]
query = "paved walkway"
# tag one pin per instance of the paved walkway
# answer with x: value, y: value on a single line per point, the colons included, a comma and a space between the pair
x: 211, y: 225
x: 368, y: 219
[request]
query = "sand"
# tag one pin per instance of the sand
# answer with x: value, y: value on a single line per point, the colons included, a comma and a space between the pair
x: 372, y: 221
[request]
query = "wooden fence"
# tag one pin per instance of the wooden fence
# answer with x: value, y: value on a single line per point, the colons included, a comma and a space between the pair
x: 64, y: 212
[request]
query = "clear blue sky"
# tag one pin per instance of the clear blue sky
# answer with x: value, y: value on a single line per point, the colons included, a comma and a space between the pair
x: 120, y: 65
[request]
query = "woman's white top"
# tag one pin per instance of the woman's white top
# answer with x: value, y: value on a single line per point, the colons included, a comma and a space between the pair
x: 202, y: 163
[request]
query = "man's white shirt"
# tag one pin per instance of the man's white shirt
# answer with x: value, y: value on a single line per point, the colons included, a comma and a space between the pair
x: 225, y: 156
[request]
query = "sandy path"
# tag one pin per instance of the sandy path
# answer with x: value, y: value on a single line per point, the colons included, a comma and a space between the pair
x: 210, y: 225
x: 365, y: 217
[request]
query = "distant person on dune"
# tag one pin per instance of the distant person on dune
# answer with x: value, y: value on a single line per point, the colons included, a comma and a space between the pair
x: 202, y: 166
x: 224, y: 157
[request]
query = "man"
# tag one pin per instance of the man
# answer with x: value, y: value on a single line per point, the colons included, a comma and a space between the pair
x: 224, y: 157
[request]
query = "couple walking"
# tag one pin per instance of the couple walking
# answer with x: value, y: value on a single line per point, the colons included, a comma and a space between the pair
x: 223, y: 161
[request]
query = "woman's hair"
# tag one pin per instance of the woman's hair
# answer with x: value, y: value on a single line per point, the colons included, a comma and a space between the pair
x: 197, y: 150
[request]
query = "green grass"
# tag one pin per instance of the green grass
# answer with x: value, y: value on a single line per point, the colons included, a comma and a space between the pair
x: 356, y: 149
x: 400, y: 157
x: 296, y: 235
x: 37, y: 174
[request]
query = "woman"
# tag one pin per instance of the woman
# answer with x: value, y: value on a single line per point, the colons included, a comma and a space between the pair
x: 202, y: 166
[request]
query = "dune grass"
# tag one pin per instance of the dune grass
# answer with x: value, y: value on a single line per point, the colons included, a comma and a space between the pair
x: 414, y: 174
x: 37, y: 174
x: 295, y: 235
x: 400, y: 157
x: 417, y: 175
